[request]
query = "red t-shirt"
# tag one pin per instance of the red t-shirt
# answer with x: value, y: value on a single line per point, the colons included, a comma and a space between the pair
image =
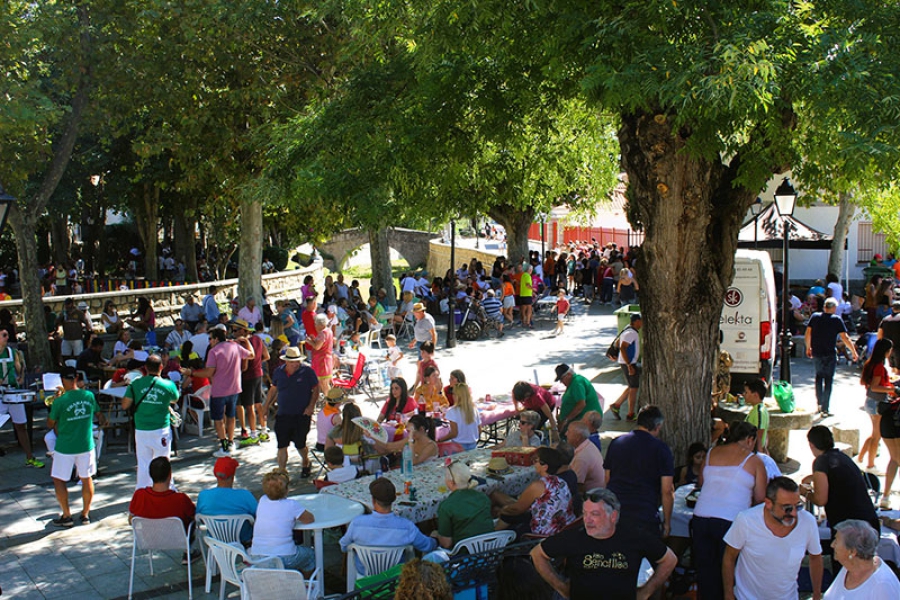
x: 411, y: 406
x: 159, y: 505
x: 254, y: 366
x: 309, y: 322
x: 539, y: 399
x: 562, y: 306
x: 424, y: 364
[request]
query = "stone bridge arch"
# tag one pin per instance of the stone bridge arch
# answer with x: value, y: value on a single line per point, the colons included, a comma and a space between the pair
x: 411, y: 244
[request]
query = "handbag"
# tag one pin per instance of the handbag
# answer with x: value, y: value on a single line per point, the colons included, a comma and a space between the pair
x: 175, y: 418
x: 612, y: 353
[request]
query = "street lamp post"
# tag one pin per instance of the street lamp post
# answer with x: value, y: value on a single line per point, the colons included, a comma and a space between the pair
x: 451, y: 322
x: 6, y: 204
x: 756, y: 208
x: 785, y: 198
x: 543, y: 225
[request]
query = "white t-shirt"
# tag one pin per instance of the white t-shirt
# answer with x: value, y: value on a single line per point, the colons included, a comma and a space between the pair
x: 466, y: 433
x: 348, y: 472
x: 837, y: 290
x: 633, y: 338
x: 768, y: 565
x: 273, y: 532
x: 881, y: 584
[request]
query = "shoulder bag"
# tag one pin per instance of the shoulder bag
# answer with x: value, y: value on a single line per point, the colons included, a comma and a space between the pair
x: 612, y: 353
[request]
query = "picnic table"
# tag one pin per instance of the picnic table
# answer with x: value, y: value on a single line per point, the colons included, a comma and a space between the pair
x: 431, y: 490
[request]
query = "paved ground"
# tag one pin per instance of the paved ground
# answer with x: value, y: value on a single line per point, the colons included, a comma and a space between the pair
x: 93, y: 561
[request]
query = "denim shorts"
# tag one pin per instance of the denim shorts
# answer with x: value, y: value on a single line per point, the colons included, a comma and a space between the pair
x: 871, y: 406
x: 222, y: 407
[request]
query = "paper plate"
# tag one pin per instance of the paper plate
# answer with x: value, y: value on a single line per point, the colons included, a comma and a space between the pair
x: 372, y: 428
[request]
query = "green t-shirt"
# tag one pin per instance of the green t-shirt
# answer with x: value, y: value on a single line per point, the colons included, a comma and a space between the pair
x: 153, y: 411
x: 759, y: 417
x: 465, y: 514
x: 8, y: 367
x: 579, y: 389
x: 525, y: 286
x: 74, y: 416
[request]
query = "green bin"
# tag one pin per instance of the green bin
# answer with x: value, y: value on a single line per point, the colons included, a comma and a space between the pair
x: 623, y: 316
x: 883, y: 271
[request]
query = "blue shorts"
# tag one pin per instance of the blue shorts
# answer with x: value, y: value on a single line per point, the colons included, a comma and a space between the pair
x: 871, y: 406
x: 222, y: 407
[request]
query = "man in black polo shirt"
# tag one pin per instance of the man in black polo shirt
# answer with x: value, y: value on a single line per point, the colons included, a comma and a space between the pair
x: 601, y: 559
x: 821, y: 336
x: 640, y: 470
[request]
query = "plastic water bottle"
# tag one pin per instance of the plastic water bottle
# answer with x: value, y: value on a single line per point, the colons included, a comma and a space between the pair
x: 406, y: 465
x: 385, y: 379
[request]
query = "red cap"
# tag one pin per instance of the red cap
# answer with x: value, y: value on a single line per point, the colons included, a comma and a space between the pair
x: 225, y: 467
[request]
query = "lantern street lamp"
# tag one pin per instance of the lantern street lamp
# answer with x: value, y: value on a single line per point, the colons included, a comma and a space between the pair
x: 6, y: 204
x: 785, y: 199
x: 756, y: 208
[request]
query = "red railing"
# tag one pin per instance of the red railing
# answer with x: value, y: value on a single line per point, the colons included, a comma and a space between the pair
x: 603, y: 235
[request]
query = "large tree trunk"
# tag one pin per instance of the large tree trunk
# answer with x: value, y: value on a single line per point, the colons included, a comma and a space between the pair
x: 185, y: 248
x: 691, y: 215
x: 841, y: 229
x: 61, y: 242
x: 516, y: 221
x: 147, y: 214
x: 93, y: 221
x: 380, y: 255
x: 24, y: 223
x: 250, y: 259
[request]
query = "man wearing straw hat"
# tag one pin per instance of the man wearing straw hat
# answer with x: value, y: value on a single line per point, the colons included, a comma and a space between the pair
x: 296, y: 387
x: 423, y: 330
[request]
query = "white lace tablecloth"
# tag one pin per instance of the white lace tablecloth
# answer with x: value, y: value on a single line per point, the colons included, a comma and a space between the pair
x: 427, y: 477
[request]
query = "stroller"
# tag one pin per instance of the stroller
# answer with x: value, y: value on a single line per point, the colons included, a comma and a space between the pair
x: 475, y: 323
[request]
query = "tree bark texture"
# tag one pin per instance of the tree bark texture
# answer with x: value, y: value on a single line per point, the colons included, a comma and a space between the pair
x: 250, y: 259
x: 691, y: 214
x: 516, y: 221
x: 380, y: 255
x: 183, y: 230
x: 846, y: 209
x: 61, y: 243
x: 32, y: 305
x: 147, y: 218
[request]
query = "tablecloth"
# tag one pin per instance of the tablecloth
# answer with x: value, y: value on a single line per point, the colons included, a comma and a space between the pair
x: 428, y: 477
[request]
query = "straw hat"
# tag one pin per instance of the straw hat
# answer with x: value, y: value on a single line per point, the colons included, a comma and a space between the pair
x: 418, y: 307
x: 498, y: 465
x: 292, y: 354
x: 335, y: 395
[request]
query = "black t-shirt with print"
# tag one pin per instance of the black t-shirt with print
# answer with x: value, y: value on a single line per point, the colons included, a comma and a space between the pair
x: 610, y: 565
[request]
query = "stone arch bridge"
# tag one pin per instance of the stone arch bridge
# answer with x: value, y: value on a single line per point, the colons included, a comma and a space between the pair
x: 411, y: 244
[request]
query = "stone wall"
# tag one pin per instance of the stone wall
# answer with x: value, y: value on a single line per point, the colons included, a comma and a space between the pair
x: 439, y: 258
x: 167, y: 301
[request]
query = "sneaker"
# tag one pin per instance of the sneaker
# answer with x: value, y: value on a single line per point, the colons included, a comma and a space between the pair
x: 631, y: 417
x: 63, y: 521
x: 244, y: 434
x: 263, y: 437
x: 306, y: 472
x: 248, y: 441
x: 221, y: 452
x: 33, y: 462
x: 195, y: 554
x: 85, y: 520
x: 615, y: 411
x: 885, y: 503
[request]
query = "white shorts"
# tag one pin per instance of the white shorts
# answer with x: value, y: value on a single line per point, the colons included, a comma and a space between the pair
x: 509, y: 301
x: 85, y: 463
x: 71, y: 347
x: 561, y: 317
x: 16, y: 412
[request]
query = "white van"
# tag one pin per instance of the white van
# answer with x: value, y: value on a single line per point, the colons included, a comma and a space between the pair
x: 747, y: 325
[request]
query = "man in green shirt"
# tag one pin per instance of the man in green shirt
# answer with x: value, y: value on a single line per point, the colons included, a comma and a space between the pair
x: 152, y: 395
x: 580, y: 397
x: 72, y: 417
x: 526, y: 295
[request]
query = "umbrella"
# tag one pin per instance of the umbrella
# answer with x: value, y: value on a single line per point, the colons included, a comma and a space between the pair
x: 372, y: 427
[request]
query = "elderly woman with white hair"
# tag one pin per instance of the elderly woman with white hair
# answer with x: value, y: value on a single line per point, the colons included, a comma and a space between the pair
x: 322, y: 347
x: 524, y: 435
x: 465, y: 513
x: 864, y: 574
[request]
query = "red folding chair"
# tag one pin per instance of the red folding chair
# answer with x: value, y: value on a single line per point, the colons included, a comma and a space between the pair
x: 352, y: 384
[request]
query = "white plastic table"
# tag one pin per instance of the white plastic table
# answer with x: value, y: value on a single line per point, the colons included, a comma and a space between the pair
x: 329, y: 511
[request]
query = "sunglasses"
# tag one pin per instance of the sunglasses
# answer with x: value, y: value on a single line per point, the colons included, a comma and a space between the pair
x: 789, y: 508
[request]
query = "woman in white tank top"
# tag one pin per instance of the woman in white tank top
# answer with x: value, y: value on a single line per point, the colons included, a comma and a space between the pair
x: 733, y: 479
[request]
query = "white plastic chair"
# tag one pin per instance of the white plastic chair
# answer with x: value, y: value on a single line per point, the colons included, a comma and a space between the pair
x: 374, y: 559
x: 266, y: 584
x: 374, y: 336
x: 225, y: 528
x: 228, y: 557
x: 202, y: 396
x: 486, y: 541
x: 160, y: 534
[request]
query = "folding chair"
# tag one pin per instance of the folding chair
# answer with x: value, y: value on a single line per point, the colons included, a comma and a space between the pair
x: 160, y: 534
x: 228, y: 557
x: 225, y: 528
x: 201, y: 397
x: 352, y: 384
x: 374, y: 559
